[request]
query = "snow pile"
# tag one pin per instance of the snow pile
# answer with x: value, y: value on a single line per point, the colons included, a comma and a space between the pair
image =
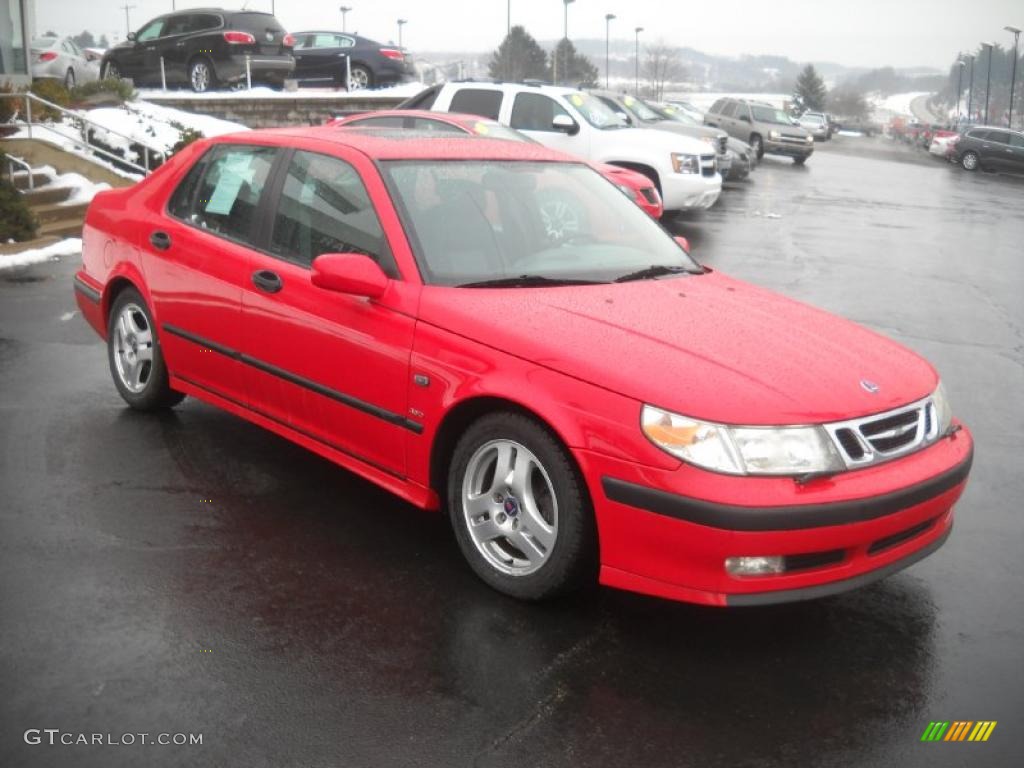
x: 82, y: 189
x: 68, y: 247
x: 896, y: 104
x: 152, y: 125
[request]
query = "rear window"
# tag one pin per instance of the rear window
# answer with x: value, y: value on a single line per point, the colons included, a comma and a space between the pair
x: 254, y: 22
x: 475, y: 101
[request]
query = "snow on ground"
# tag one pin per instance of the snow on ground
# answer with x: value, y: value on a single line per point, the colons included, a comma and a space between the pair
x: 896, y: 104
x: 82, y: 190
x: 68, y: 247
x: 402, y: 90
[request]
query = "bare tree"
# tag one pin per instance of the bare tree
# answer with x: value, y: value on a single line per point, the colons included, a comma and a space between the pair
x: 662, y: 65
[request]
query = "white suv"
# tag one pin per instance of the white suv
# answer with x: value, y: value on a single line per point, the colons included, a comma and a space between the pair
x: 575, y: 122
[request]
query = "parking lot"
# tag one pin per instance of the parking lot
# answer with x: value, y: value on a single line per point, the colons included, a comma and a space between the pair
x: 193, y: 573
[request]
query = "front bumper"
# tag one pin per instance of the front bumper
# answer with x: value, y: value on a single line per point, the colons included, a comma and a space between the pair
x: 788, y: 148
x: 690, y: 191
x: 668, y: 532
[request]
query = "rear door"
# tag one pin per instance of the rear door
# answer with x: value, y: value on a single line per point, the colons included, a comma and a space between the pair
x: 196, y: 259
x: 1016, y: 163
x: 334, y: 367
x: 321, y: 57
x: 533, y: 114
x: 995, y: 149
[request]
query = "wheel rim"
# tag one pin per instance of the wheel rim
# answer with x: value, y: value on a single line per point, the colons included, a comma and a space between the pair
x: 509, y: 507
x: 561, y: 220
x: 359, y: 78
x: 970, y: 161
x: 133, y: 348
x: 113, y: 73
x: 200, y: 76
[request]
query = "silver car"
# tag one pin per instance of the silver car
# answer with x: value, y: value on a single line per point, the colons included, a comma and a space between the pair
x: 60, y: 58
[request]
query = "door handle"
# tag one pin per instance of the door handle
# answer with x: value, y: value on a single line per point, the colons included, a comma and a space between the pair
x: 160, y: 240
x: 267, y: 281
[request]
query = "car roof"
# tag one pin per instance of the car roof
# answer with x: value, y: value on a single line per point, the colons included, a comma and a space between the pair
x: 459, y: 119
x: 380, y: 144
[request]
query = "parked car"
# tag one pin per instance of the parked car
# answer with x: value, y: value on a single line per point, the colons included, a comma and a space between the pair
x: 596, y: 409
x: 943, y: 146
x: 60, y: 58
x: 989, y: 148
x: 682, y: 168
x: 635, y: 186
x: 639, y: 113
x: 816, y: 124
x: 689, y: 109
x: 744, y: 161
x: 320, y: 58
x: 859, y: 124
x: 766, y: 128
x: 204, y: 48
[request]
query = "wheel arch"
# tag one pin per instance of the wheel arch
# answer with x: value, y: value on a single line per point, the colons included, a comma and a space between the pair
x: 115, y: 286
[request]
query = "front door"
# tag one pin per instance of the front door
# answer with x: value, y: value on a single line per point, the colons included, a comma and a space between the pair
x: 331, y: 365
x: 534, y: 114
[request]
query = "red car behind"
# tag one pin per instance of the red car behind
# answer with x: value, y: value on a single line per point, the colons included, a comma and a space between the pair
x: 584, y: 406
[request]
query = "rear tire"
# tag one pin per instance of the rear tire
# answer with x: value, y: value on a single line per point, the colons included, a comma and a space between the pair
x: 969, y: 161
x: 361, y: 77
x: 111, y: 71
x: 133, y: 352
x: 520, y: 510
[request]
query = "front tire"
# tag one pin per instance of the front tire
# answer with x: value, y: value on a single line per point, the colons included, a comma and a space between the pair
x: 69, y: 79
x: 136, y: 361
x: 757, y: 145
x: 799, y: 160
x: 969, y: 161
x: 361, y: 78
x: 111, y: 71
x: 519, y: 509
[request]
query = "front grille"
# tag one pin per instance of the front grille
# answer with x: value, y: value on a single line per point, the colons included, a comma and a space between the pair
x: 898, y: 538
x: 804, y: 562
x: 708, y: 166
x: 884, y: 436
x: 892, y: 433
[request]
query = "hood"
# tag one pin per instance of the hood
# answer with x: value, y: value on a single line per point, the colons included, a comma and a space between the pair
x: 705, y: 345
x: 697, y: 131
x: 646, y: 139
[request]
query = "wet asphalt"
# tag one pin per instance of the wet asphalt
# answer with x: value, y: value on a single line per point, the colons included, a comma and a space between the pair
x: 192, y: 573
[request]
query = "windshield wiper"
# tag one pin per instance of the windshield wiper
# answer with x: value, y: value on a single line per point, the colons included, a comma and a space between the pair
x: 655, y: 270
x: 527, y: 281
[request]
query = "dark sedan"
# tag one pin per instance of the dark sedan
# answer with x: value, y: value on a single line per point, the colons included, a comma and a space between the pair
x: 320, y: 59
x: 992, y: 149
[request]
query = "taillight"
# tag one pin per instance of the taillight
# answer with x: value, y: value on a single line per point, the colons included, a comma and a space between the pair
x: 392, y: 53
x: 48, y: 56
x: 288, y: 41
x: 242, y: 38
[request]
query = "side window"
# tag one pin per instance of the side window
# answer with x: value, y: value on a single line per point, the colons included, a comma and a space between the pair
x: 345, y: 42
x: 325, y: 208
x: 1017, y: 140
x: 151, y: 31
x: 393, y: 121
x: 475, y: 101
x: 717, y: 106
x: 437, y: 126
x: 180, y: 205
x: 202, y: 21
x: 229, y: 191
x: 999, y: 137
x: 729, y: 109
x: 617, y: 109
x: 178, y: 25
x: 534, y: 112
x: 325, y: 40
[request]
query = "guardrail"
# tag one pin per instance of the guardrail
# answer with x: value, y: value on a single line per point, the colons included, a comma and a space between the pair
x: 13, y: 161
x: 149, y: 153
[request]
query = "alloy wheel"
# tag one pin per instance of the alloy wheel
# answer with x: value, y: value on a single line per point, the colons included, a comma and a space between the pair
x: 133, y: 348
x: 359, y: 79
x: 200, y: 76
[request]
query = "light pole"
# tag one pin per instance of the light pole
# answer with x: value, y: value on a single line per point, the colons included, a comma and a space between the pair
x: 127, y: 19
x: 401, y: 23
x: 565, y: 37
x: 959, y: 87
x: 508, y: 16
x: 344, y: 14
x: 636, y: 58
x: 970, y: 89
x: 1013, y: 77
x: 607, y: 26
x: 988, y: 82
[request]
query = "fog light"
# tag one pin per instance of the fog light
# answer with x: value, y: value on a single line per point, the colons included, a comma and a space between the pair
x: 755, y: 566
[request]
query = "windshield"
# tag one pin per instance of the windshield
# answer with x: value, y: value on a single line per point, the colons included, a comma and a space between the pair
x: 595, y: 111
x: 679, y: 115
x: 477, y: 222
x: 641, y: 109
x: 44, y: 42
x: 493, y: 130
x: 770, y: 115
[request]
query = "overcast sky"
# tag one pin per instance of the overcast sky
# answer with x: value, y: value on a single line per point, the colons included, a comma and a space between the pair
x: 852, y: 32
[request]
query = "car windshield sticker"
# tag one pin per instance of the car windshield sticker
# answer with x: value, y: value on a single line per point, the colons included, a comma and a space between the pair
x: 576, y: 99
x: 235, y: 170
x: 481, y: 128
x: 629, y: 101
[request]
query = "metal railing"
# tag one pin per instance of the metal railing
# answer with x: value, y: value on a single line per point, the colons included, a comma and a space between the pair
x: 13, y: 161
x: 149, y: 153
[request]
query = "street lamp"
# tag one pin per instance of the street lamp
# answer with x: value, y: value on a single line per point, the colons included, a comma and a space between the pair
x: 960, y: 63
x: 970, y: 89
x: 401, y: 23
x: 607, y: 25
x: 636, y: 57
x: 1013, y: 77
x: 508, y: 16
x: 565, y: 36
x: 988, y: 82
x: 344, y: 13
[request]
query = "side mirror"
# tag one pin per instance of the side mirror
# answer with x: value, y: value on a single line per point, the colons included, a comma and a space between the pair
x: 131, y: 37
x: 565, y: 124
x: 683, y: 243
x: 352, y: 273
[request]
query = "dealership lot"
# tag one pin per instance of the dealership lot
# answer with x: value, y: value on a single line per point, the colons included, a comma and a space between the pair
x: 194, y: 574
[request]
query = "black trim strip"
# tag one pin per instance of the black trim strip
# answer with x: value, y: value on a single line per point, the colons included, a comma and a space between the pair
x: 293, y: 428
x: 788, y: 518
x: 835, y: 587
x: 320, y: 389
x: 87, y: 290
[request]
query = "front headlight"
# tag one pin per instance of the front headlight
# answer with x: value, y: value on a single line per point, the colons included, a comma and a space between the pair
x: 774, y: 134
x: 741, y: 450
x: 685, y: 163
x: 943, y: 411
x: 810, y: 139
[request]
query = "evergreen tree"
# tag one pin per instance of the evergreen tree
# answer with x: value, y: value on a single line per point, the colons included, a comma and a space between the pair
x: 573, y: 68
x: 519, y: 57
x: 810, y: 89
x: 104, y: 43
x: 84, y: 39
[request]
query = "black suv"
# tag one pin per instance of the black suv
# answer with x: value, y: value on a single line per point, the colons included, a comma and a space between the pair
x: 204, y: 47
x: 993, y: 149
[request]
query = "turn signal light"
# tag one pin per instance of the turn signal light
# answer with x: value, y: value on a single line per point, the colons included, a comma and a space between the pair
x: 243, y: 38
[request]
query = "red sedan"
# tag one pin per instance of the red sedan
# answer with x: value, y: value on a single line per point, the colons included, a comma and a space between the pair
x: 590, y: 406
x: 640, y: 189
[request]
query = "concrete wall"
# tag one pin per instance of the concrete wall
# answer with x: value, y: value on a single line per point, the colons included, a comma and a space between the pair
x: 275, y: 111
x: 39, y: 153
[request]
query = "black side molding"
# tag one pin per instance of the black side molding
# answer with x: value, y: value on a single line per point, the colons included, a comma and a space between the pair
x: 790, y: 518
x: 360, y: 405
x: 87, y: 290
x: 835, y: 587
